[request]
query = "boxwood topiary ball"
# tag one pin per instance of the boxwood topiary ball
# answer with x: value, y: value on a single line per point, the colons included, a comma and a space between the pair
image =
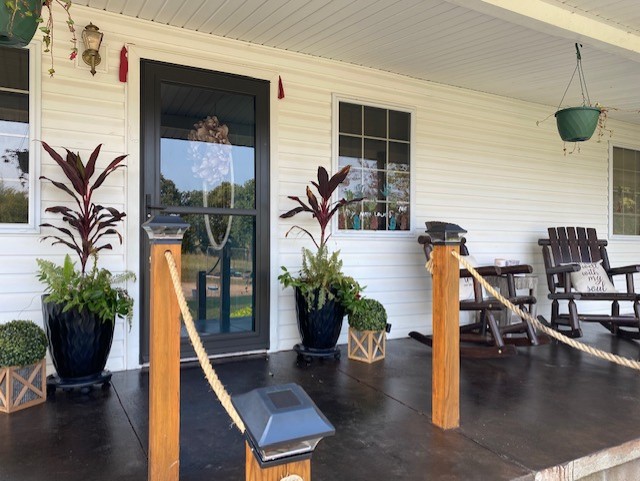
x: 370, y: 315
x: 21, y: 343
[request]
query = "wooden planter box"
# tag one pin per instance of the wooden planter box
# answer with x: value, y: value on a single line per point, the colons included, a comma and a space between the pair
x: 22, y: 387
x: 366, y: 346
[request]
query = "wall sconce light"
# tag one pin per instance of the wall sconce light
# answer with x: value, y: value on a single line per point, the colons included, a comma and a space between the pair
x: 92, y: 38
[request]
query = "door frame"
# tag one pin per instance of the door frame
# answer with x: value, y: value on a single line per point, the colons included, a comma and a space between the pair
x: 152, y: 70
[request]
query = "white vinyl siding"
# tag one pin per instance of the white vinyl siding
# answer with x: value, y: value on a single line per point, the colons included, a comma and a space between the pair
x: 478, y: 160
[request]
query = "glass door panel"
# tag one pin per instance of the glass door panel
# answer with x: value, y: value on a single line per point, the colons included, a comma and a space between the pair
x: 206, y: 160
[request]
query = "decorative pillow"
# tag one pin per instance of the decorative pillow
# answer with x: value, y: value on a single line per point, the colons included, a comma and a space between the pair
x: 466, y: 283
x: 591, y: 278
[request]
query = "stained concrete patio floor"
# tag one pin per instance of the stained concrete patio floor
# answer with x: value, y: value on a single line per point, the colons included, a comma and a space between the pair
x: 546, y: 407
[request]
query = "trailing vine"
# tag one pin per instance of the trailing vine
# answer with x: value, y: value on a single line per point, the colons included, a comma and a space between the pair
x: 47, y: 30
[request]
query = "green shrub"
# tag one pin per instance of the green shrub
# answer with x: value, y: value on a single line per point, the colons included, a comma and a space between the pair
x: 368, y: 315
x: 245, y: 311
x: 21, y: 343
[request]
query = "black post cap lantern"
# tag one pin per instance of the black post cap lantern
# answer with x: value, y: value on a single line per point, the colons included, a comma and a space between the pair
x: 282, y: 423
x: 165, y: 228
x: 444, y: 232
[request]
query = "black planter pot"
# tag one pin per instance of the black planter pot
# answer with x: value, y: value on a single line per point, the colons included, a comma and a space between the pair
x: 79, y: 343
x: 319, y: 328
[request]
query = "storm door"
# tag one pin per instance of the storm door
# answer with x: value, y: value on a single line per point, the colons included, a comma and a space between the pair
x: 205, y: 156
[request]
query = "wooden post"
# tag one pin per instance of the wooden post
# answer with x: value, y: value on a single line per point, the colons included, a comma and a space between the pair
x: 254, y: 472
x: 165, y: 234
x: 445, y: 409
x: 164, y: 369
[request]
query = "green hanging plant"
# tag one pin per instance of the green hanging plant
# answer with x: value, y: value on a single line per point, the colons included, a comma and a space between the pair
x: 578, y: 123
x: 21, y: 19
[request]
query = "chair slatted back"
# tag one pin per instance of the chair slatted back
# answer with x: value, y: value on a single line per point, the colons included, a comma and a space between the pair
x: 575, y: 244
x: 572, y: 244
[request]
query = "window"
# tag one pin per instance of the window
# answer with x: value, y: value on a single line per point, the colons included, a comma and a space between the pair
x: 376, y: 143
x: 625, y: 183
x: 17, y: 176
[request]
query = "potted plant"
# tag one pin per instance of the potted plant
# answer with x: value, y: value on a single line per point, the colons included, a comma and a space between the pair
x: 19, y: 20
x: 23, y: 346
x: 577, y: 124
x: 323, y: 292
x: 80, y: 305
x: 367, y: 331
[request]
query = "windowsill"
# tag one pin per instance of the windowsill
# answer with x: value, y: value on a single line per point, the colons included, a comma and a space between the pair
x: 624, y: 238
x: 16, y: 229
x: 371, y: 234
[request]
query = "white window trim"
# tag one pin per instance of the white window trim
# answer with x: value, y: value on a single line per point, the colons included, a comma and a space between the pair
x: 381, y: 234
x: 618, y: 237
x: 33, y: 226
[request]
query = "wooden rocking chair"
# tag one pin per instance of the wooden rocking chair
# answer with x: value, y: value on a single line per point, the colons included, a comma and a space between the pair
x: 565, y: 252
x: 486, y: 337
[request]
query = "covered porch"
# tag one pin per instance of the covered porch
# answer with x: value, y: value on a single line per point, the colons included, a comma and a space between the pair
x: 548, y: 413
x: 475, y: 76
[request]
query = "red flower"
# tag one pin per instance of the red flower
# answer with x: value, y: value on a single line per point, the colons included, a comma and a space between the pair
x: 73, y: 55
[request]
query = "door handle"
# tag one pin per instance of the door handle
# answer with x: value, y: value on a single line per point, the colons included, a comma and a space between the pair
x: 150, y: 207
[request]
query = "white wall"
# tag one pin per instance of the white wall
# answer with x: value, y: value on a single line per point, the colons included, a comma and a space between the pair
x: 479, y: 161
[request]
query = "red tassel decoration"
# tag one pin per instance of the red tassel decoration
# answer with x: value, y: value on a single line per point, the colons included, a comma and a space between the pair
x: 280, y: 88
x: 124, y: 64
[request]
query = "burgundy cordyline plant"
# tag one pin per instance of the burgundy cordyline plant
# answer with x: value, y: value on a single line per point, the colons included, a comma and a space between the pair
x: 90, y: 222
x: 322, y: 211
x: 321, y: 278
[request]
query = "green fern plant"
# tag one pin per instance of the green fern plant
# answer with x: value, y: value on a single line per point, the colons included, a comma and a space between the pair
x: 321, y: 275
x: 91, y: 291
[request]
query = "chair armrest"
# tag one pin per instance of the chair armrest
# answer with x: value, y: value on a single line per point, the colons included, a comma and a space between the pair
x: 424, y: 239
x: 563, y: 269
x: 624, y: 270
x: 517, y: 269
x: 483, y: 271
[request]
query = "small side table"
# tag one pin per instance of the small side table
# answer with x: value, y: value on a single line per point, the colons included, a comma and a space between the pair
x: 528, y: 282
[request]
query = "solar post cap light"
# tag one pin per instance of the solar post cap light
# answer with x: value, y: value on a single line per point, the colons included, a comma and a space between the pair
x: 167, y: 228
x: 282, y: 423
x: 444, y: 232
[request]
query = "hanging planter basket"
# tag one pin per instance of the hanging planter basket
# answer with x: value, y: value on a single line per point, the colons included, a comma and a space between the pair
x: 19, y: 22
x: 577, y: 124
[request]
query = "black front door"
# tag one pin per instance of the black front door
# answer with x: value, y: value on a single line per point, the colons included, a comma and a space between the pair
x: 205, y: 156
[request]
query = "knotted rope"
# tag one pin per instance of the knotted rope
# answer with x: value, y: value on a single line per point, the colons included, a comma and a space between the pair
x: 607, y: 356
x: 209, y: 372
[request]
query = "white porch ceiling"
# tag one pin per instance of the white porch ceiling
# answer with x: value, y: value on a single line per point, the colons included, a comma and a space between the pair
x: 513, y: 48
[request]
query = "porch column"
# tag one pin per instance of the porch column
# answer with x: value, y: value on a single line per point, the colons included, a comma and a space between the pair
x: 165, y: 234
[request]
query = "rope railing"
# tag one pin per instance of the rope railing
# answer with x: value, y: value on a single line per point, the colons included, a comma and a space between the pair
x: 203, y: 358
x: 614, y: 358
